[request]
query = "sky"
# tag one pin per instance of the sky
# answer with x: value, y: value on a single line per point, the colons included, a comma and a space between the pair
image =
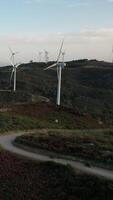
x: 32, y: 26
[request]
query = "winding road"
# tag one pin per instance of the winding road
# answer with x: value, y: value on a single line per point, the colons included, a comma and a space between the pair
x: 6, y: 143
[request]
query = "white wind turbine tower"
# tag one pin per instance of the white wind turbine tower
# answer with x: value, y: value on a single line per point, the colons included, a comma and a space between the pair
x: 60, y: 66
x: 63, y: 54
x: 15, y: 66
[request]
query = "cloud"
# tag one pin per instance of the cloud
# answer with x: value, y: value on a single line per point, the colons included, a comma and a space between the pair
x: 87, y: 43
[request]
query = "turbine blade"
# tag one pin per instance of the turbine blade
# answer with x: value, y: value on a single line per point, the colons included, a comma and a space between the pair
x: 51, y: 66
x: 60, y: 51
x: 10, y: 50
x: 17, y: 65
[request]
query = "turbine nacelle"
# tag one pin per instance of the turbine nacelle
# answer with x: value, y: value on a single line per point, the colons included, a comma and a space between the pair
x: 61, y: 64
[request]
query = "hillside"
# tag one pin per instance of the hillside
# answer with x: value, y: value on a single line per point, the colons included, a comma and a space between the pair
x: 87, y: 86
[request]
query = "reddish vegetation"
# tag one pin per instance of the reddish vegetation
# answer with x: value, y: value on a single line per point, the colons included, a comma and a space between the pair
x: 43, y: 109
x: 21, y: 179
x: 33, y: 110
x: 85, y: 147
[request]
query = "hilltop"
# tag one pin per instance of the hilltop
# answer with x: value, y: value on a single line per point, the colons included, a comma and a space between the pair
x: 87, y: 86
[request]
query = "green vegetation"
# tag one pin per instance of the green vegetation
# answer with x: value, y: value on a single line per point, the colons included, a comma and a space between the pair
x: 52, y: 120
x: 65, y: 120
x: 10, y: 121
x: 88, y: 145
x: 23, y: 179
x: 45, y: 115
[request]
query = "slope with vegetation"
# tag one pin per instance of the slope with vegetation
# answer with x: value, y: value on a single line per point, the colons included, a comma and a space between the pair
x: 87, y: 86
x: 92, y: 146
x: 44, y: 115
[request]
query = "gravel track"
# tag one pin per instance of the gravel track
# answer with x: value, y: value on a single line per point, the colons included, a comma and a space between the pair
x: 6, y: 143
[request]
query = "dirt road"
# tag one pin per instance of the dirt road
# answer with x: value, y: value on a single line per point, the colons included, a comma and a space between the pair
x: 6, y: 143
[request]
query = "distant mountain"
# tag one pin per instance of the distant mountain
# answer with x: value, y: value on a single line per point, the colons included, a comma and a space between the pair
x: 87, y: 85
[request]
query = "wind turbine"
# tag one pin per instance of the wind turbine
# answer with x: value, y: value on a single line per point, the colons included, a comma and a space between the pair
x: 60, y: 66
x: 40, y: 56
x: 15, y: 66
x: 46, y: 56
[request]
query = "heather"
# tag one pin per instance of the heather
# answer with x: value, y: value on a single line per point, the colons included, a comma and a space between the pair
x: 23, y: 179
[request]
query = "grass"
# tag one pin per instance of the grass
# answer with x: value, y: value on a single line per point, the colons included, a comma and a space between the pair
x: 18, y: 120
x: 88, y: 145
x: 23, y: 179
x: 57, y: 120
x: 66, y: 120
x: 49, y: 116
x: 10, y: 122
